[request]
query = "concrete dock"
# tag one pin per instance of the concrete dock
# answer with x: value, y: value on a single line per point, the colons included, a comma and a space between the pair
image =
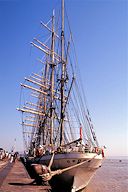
x: 14, y: 178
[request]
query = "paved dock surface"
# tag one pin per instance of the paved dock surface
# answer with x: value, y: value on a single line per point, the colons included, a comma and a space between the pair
x: 4, y: 172
x: 14, y: 178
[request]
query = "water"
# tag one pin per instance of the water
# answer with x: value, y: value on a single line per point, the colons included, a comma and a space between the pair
x: 111, y: 177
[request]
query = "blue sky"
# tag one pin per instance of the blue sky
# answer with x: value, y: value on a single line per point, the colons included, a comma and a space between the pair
x: 100, y: 34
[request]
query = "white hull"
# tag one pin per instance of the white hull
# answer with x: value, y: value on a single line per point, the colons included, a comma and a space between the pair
x: 78, y: 177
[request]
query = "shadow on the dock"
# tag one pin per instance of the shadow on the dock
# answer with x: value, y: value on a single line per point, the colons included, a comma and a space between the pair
x: 30, y: 184
x: 23, y: 184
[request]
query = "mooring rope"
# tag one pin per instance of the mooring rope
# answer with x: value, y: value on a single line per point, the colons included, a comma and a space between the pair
x: 50, y: 174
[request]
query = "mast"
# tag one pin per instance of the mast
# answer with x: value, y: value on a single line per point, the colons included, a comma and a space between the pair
x: 62, y: 76
x: 52, y: 82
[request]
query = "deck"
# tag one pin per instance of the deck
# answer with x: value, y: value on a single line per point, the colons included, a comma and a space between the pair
x: 14, y: 178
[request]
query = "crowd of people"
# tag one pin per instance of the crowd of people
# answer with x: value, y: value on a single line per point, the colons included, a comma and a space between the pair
x: 46, y: 150
x: 10, y: 156
x: 75, y: 147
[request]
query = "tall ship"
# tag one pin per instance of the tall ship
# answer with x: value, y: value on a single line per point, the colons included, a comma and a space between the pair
x: 61, y: 147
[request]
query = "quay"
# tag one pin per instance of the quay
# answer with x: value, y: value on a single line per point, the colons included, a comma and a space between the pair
x: 14, y: 178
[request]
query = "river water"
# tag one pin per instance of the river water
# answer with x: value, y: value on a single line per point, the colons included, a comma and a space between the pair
x: 111, y: 177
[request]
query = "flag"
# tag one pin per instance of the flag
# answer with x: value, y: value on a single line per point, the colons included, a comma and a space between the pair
x: 80, y: 132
